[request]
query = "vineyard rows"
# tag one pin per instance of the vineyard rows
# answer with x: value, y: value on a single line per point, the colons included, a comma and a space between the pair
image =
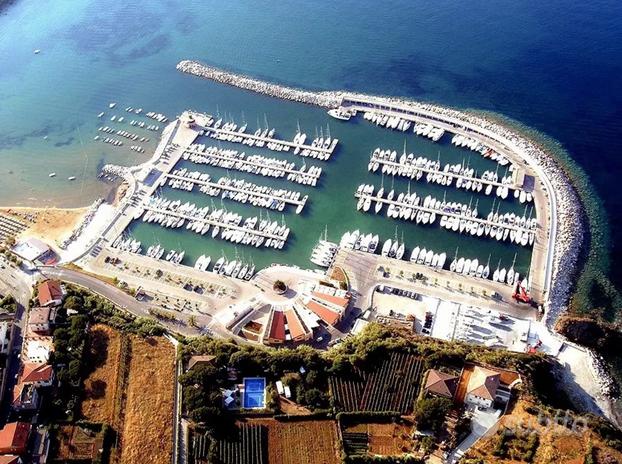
x: 249, y: 447
x: 392, y: 386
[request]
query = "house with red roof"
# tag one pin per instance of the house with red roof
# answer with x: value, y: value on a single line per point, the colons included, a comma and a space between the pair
x: 50, y: 293
x: 295, y: 327
x: 441, y: 384
x: 482, y: 387
x: 32, y: 376
x: 275, y: 332
x: 285, y: 325
x: 327, y: 314
x: 14, y: 438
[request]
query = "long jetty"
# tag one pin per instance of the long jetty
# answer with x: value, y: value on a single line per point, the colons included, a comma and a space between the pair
x: 298, y: 203
x: 246, y: 162
x: 271, y: 140
x: 440, y: 212
x: 324, y: 99
x: 220, y: 224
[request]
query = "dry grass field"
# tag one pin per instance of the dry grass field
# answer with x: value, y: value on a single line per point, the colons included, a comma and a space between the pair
x: 148, y: 421
x: 100, y: 387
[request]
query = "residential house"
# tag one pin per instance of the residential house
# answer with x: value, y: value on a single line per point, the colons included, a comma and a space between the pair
x: 441, y: 384
x: 41, y: 318
x: 482, y: 387
x: 50, y: 293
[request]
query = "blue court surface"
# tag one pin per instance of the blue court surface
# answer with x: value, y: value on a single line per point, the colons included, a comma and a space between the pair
x: 254, y: 388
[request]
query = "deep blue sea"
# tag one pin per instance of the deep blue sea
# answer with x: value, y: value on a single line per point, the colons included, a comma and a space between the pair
x: 555, y: 66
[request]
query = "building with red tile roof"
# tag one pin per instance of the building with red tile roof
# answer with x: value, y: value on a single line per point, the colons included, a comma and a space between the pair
x: 296, y: 328
x: 275, y: 334
x: 339, y: 301
x: 50, y: 293
x: 41, y: 375
x: 441, y: 384
x: 482, y: 387
x: 14, y: 438
x: 328, y: 315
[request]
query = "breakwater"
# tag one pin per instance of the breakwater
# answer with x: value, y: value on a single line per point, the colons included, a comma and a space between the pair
x: 323, y: 99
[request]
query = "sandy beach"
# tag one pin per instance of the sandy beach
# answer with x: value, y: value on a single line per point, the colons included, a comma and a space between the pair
x: 50, y: 225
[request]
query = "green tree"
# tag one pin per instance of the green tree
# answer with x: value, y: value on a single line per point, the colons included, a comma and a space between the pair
x: 430, y: 413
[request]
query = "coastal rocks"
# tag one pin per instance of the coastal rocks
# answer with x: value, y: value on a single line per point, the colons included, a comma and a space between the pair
x: 326, y: 100
x: 86, y: 220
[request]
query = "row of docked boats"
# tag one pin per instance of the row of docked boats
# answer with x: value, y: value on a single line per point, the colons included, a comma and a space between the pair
x: 252, y: 231
x: 501, y: 232
x: 131, y: 136
x: 238, y: 190
x: 252, y: 164
x: 454, y: 216
x: 110, y: 140
x: 469, y: 267
x: 127, y: 244
x: 428, y: 258
x: 236, y: 268
x: 475, y: 145
x: 415, y: 168
x: 323, y: 253
x: 384, y: 120
x: 320, y: 148
x: 429, y: 131
x: 367, y: 243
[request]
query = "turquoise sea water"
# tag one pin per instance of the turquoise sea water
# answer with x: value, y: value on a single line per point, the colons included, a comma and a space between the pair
x: 552, y: 65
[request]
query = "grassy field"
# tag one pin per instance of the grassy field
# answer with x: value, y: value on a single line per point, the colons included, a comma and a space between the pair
x: 148, y: 420
x: 301, y: 442
x: 100, y: 387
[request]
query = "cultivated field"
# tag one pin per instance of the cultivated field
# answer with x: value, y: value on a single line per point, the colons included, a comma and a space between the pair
x: 301, y: 442
x: 100, y: 387
x: 147, y: 434
x: 247, y: 446
x: 78, y: 444
x: 386, y: 439
x: 392, y: 386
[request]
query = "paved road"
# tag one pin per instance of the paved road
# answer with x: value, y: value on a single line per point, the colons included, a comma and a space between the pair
x: 14, y: 282
x: 112, y: 293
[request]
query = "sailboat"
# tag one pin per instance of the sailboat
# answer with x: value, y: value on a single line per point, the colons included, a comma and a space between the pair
x: 486, y: 270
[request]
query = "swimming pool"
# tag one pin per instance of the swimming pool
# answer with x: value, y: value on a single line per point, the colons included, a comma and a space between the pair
x: 254, y: 388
